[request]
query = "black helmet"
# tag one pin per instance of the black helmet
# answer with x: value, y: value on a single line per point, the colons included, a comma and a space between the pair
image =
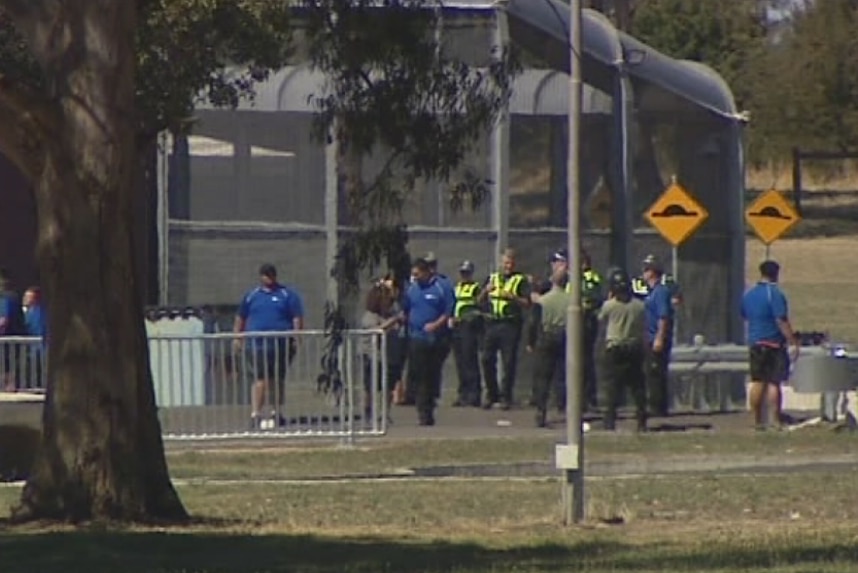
x: 619, y: 281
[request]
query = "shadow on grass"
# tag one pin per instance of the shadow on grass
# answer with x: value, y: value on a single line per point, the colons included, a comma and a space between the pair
x: 181, y: 551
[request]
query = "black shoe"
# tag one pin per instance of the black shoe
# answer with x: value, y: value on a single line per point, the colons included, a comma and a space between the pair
x: 505, y: 405
x: 427, y: 421
x: 541, y: 422
x: 280, y: 421
x: 460, y: 403
x: 489, y: 404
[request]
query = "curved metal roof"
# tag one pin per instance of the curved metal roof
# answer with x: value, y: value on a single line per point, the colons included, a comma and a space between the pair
x: 602, y: 45
x: 536, y: 92
x: 693, y: 82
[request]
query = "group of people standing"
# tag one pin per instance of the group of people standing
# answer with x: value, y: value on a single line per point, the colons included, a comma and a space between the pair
x: 20, y: 316
x: 481, y: 320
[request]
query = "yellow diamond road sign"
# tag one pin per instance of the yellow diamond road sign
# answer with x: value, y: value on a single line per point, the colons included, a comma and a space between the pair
x: 770, y: 216
x: 676, y: 214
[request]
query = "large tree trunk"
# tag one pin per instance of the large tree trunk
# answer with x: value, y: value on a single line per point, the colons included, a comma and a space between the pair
x: 101, y: 455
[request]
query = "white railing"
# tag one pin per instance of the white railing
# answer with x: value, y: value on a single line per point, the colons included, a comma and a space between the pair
x: 204, y: 383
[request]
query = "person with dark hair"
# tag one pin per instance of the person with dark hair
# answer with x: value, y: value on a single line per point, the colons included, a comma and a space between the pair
x: 640, y: 287
x: 445, y: 335
x: 380, y: 313
x: 11, y: 324
x: 659, y: 320
x: 34, y: 320
x: 766, y: 312
x: 270, y: 307
x: 467, y: 324
x: 624, y: 317
x: 427, y: 307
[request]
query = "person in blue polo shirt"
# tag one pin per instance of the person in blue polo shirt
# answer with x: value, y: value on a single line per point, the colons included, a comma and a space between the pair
x: 270, y: 307
x: 11, y: 324
x: 427, y: 307
x: 445, y: 335
x: 765, y: 309
x: 659, y: 325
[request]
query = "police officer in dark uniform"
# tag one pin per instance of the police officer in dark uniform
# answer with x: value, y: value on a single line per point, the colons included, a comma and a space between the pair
x: 445, y: 335
x: 508, y: 294
x: 624, y: 317
x: 591, y: 301
x: 659, y: 321
x: 547, y: 340
x: 467, y: 327
x: 641, y: 289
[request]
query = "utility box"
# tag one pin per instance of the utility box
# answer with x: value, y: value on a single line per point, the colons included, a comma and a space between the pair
x: 176, y: 356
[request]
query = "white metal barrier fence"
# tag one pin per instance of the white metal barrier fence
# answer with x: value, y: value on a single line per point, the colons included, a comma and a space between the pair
x: 314, y: 386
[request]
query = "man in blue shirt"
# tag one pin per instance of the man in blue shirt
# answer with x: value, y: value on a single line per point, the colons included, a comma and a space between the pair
x: 445, y: 336
x: 11, y: 324
x: 659, y: 325
x: 34, y: 319
x: 275, y: 308
x: 766, y: 312
x: 427, y: 306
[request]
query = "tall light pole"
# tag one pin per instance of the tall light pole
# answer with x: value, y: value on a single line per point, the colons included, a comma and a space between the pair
x: 570, y: 457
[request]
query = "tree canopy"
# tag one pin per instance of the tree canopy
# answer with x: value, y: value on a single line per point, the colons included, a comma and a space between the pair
x: 790, y: 63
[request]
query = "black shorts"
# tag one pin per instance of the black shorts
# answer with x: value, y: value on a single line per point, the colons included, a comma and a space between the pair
x: 768, y: 364
x: 270, y: 359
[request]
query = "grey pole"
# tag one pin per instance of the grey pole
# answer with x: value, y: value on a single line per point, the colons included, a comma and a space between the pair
x: 570, y: 458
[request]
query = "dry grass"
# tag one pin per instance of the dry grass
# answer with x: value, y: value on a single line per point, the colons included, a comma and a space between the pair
x: 785, y: 524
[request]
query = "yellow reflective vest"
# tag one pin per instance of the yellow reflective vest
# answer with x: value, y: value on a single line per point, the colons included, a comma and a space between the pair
x: 466, y: 298
x: 502, y: 308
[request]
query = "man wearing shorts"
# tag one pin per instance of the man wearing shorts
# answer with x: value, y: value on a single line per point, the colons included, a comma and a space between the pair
x: 270, y: 307
x: 765, y: 310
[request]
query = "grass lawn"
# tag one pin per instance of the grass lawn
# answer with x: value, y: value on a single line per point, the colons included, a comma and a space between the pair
x: 385, y: 457
x: 788, y: 523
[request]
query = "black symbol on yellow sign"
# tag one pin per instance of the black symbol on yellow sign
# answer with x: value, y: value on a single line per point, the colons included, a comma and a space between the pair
x: 675, y: 210
x: 770, y: 216
x: 676, y: 214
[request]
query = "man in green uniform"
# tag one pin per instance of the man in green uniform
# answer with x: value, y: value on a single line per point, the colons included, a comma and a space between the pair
x: 591, y: 299
x: 467, y: 325
x: 547, y: 340
x: 625, y: 336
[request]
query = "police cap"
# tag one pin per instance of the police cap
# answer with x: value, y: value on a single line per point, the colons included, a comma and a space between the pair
x: 619, y: 280
x: 560, y: 255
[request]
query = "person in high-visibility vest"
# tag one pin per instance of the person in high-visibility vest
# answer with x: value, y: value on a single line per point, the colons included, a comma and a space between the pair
x: 467, y: 327
x: 640, y: 287
x: 508, y: 294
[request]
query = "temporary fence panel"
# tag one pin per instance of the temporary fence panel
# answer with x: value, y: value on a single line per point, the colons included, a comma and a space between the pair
x: 326, y: 388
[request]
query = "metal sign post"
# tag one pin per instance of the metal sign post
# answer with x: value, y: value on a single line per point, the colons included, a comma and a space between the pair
x: 569, y: 457
x: 676, y: 215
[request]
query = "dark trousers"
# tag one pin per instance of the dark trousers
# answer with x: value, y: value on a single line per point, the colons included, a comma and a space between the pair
x: 423, y: 366
x: 591, y: 331
x: 466, y: 351
x: 442, y: 350
x: 656, y: 370
x: 549, y: 357
x: 624, y: 367
x: 501, y: 336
